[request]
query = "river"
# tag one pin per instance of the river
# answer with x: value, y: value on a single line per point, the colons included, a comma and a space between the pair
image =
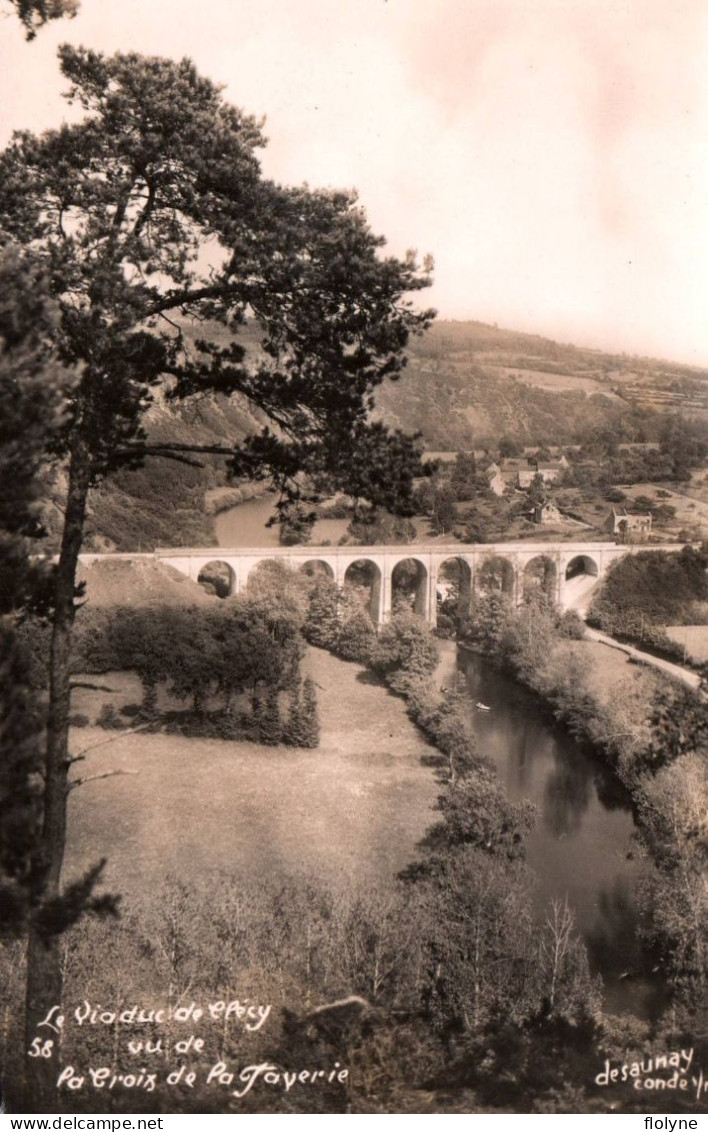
x: 581, y: 846
x: 245, y: 525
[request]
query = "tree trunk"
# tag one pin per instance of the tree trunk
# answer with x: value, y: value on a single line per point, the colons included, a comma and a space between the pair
x: 44, y: 969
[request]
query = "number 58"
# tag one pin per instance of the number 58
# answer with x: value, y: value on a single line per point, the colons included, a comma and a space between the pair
x: 41, y: 1049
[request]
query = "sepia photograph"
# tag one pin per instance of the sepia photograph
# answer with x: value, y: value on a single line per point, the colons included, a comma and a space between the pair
x: 354, y: 557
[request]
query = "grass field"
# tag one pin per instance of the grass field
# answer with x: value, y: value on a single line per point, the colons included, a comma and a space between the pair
x: 611, y: 675
x: 555, y: 381
x: 694, y: 638
x: 195, y: 808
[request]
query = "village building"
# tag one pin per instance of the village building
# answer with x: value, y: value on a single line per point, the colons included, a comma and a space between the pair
x: 627, y: 526
x: 495, y: 480
x: 555, y: 451
x: 549, y: 473
x: 546, y: 512
x: 512, y: 467
x: 525, y: 477
x: 444, y: 458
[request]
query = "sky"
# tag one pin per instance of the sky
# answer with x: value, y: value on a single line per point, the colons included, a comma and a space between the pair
x: 551, y: 155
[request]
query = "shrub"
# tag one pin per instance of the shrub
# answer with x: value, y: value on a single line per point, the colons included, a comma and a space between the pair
x: 109, y: 718
x: 225, y: 725
x: 322, y: 621
x: 79, y: 720
x: 445, y: 627
x: 570, y: 624
x: 405, y: 644
x: 357, y: 638
x: 423, y: 704
x: 614, y: 495
x: 655, y: 586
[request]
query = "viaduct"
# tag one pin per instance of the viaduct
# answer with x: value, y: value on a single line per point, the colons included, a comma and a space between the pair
x: 567, y: 571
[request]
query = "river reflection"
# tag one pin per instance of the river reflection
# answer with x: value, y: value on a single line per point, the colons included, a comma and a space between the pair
x: 581, y: 844
x: 566, y: 795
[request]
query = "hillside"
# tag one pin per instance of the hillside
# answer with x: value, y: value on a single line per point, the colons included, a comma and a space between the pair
x: 162, y: 503
x: 138, y: 583
x: 466, y: 385
x: 469, y: 383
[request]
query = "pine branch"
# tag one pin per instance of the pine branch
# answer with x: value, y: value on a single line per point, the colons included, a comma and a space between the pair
x: 174, y: 451
x: 174, y: 299
x: 96, y: 778
x: 112, y: 739
x: 91, y: 687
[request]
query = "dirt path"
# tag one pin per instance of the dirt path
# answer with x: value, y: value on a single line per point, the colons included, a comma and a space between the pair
x: 692, y: 679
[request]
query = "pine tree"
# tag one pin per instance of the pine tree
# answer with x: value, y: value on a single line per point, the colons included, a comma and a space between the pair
x: 270, y: 728
x: 444, y: 514
x: 293, y: 729
x: 309, y: 715
x: 322, y: 625
x: 32, y: 385
x: 120, y: 209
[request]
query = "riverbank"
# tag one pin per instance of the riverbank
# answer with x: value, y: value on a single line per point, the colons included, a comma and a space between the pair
x: 598, y: 693
x: 609, y: 676
x: 582, y: 843
x: 220, y: 499
x: 669, y: 668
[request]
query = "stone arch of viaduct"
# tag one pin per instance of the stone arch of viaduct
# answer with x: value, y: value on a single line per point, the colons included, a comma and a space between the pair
x: 557, y: 564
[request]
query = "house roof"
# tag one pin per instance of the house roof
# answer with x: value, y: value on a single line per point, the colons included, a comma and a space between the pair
x: 622, y: 513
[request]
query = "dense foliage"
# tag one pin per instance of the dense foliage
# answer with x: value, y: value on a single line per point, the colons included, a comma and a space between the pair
x: 660, y: 586
x: 236, y: 665
x: 375, y: 526
x: 644, y: 592
x: 434, y: 993
x: 32, y: 386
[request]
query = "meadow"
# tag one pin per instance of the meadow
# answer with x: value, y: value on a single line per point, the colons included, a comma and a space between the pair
x: 355, y: 807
